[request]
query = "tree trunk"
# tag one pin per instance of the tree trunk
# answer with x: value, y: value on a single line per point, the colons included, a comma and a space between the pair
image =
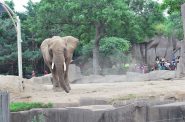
x: 146, y: 51
x: 142, y: 53
x: 181, y: 66
x: 98, y: 35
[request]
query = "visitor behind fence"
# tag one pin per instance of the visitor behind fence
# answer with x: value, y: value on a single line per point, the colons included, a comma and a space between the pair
x: 45, y: 72
x: 33, y: 73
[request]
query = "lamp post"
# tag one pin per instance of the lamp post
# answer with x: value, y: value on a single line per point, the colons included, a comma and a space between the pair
x: 17, y: 24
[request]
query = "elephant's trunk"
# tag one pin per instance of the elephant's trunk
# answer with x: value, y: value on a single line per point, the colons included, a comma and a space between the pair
x: 61, y: 72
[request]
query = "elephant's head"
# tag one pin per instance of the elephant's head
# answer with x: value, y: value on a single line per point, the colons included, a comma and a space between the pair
x: 57, y: 53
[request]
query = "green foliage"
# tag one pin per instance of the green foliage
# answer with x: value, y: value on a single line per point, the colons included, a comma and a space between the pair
x: 172, y: 5
x: 22, y: 106
x: 173, y: 25
x: 87, y: 49
x: 147, y: 14
x: 78, y: 18
x: 7, y: 41
x: 122, y: 22
x: 110, y: 45
x: 160, y: 28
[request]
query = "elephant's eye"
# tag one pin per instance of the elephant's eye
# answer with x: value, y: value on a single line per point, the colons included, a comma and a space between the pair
x: 51, y: 52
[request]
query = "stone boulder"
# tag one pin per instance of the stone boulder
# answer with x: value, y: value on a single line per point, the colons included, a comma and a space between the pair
x: 101, y: 79
x: 74, y: 74
x: 135, y: 77
x: 161, y: 75
x: 46, y: 79
x: 12, y: 84
x: 154, y: 75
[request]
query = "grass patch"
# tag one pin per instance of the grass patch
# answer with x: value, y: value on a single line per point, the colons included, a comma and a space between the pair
x: 122, y: 98
x: 22, y: 106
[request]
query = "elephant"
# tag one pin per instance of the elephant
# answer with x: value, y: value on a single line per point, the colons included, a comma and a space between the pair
x: 57, y: 54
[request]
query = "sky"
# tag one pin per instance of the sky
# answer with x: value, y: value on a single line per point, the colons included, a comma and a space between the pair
x: 19, y: 4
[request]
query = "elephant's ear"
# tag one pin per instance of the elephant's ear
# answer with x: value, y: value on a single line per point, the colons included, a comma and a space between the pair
x: 45, y: 50
x: 71, y: 43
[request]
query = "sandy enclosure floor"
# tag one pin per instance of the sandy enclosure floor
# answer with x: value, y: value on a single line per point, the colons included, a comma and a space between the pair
x: 169, y: 89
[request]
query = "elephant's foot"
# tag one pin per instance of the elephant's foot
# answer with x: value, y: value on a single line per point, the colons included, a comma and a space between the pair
x: 67, y: 83
x: 69, y: 87
x: 60, y: 89
x: 54, y: 82
x: 57, y: 89
x: 66, y: 88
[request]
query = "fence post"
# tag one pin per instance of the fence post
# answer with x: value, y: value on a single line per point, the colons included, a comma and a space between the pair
x: 4, y: 107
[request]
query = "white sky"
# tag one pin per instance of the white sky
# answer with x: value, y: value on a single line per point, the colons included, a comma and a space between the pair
x: 19, y: 4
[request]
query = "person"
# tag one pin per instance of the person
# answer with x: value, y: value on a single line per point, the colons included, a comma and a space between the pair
x: 167, y: 65
x: 45, y: 72
x: 158, y: 64
x: 162, y: 62
x: 33, y: 73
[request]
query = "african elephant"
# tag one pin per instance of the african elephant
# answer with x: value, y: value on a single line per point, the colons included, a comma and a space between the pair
x: 57, y: 53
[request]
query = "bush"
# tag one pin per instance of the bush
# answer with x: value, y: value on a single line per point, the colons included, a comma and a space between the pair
x: 108, y: 46
x: 21, y: 106
x: 112, y: 45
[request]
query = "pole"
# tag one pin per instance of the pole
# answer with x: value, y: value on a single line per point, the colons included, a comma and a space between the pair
x: 19, y: 41
x: 18, y: 29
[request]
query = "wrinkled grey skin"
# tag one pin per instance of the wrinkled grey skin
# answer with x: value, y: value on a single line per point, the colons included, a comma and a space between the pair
x: 59, y: 50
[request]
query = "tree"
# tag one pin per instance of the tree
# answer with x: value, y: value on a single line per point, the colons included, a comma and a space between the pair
x: 175, y: 9
x: 31, y: 52
x: 8, y: 50
x: 102, y: 14
x: 172, y: 5
x: 89, y: 19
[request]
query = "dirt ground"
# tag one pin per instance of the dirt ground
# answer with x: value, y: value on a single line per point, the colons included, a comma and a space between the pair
x: 165, y: 89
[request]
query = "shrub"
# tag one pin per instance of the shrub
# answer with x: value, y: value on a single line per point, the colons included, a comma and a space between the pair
x: 21, y: 106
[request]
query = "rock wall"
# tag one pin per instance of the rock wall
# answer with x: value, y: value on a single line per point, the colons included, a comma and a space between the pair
x: 138, y: 111
x: 158, y: 46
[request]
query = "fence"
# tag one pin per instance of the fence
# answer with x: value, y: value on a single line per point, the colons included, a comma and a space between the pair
x: 4, y: 107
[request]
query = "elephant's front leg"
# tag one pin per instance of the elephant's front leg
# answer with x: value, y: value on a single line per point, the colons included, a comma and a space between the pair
x: 66, y: 74
x: 54, y: 76
x: 56, y: 85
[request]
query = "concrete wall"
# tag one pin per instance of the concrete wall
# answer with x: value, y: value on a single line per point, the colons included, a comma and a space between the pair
x: 4, y: 107
x: 132, y: 112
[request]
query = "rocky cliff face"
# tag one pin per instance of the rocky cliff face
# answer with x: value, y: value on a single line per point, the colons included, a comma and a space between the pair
x: 145, y: 53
